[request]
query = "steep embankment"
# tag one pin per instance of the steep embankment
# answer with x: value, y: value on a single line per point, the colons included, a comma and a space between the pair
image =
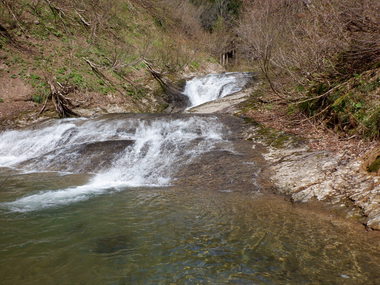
x: 90, y: 53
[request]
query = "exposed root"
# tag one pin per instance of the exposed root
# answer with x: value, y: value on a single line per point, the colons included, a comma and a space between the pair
x: 61, y: 103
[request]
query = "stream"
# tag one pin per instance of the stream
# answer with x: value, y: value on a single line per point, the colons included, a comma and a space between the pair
x: 163, y: 199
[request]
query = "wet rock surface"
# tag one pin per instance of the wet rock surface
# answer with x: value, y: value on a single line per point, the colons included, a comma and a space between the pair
x: 304, y: 174
x: 81, y: 158
x: 225, y: 171
x: 223, y: 105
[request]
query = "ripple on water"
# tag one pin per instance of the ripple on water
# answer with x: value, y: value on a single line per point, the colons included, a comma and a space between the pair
x: 183, y: 235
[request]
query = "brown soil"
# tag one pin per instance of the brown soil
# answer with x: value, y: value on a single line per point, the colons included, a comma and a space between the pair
x: 17, y: 108
x: 318, y: 136
x: 16, y: 100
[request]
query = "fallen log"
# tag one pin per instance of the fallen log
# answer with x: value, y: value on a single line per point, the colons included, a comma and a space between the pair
x: 174, y: 96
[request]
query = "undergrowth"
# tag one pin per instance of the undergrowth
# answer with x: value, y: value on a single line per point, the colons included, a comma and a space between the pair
x: 94, y: 46
x: 351, y: 107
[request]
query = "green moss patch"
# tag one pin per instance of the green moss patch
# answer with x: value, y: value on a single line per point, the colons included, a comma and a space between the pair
x: 351, y: 107
x: 374, y: 167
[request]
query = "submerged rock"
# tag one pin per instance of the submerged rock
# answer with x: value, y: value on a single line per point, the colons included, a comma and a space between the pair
x: 111, y: 244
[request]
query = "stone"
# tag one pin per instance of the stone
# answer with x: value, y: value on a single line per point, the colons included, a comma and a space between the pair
x: 111, y: 244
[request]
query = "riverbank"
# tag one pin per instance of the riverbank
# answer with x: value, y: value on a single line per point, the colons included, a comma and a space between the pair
x: 306, y: 162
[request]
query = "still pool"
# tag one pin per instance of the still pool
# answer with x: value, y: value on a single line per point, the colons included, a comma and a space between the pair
x: 178, y: 235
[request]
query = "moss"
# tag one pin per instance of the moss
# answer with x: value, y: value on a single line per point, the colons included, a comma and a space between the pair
x: 348, y: 106
x: 37, y: 98
x: 181, y: 83
x: 252, y: 103
x: 374, y: 166
x: 194, y: 65
x: 273, y: 137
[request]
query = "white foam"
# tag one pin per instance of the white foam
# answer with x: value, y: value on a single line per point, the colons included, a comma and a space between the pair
x: 207, y: 88
x: 160, y: 147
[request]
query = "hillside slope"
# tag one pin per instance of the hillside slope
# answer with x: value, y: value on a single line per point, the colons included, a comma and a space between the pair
x: 91, y: 53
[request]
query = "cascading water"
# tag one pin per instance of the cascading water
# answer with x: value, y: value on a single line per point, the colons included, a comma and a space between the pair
x: 174, y: 199
x: 120, y: 153
x: 130, y: 152
x: 207, y: 88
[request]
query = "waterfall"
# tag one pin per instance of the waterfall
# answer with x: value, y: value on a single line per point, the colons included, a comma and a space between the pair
x: 120, y: 151
x: 214, y: 86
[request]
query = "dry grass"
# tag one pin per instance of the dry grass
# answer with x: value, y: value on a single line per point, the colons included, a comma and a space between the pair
x: 323, y: 53
x: 302, y: 38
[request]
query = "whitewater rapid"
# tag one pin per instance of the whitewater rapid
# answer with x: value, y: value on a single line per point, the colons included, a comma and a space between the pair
x: 207, y: 88
x: 156, y: 149
x: 118, y: 151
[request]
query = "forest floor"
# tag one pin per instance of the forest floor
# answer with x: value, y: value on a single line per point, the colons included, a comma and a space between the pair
x: 317, y: 135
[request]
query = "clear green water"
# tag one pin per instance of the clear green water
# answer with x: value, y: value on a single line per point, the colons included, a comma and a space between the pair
x: 179, y: 236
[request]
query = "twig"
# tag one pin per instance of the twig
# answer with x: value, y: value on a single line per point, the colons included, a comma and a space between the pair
x: 322, y: 95
x: 44, y: 106
x: 82, y: 19
x: 316, y: 115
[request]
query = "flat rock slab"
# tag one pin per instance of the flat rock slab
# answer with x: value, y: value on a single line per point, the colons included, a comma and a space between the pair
x: 305, y: 175
x: 223, y: 105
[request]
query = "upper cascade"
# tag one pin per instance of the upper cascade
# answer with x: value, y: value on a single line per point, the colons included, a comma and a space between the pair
x: 207, y: 88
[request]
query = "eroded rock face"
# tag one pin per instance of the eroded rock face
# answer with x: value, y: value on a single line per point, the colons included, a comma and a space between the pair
x: 305, y: 174
x: 89, y: 157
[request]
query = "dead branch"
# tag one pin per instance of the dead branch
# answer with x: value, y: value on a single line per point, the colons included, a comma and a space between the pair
x: 83, y: 20
x: 9, y: 8
x: 174, y: 94
x: 55, y: 10
x: 167, y: 86
x: 58, y: 12
x: 99, y: 74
